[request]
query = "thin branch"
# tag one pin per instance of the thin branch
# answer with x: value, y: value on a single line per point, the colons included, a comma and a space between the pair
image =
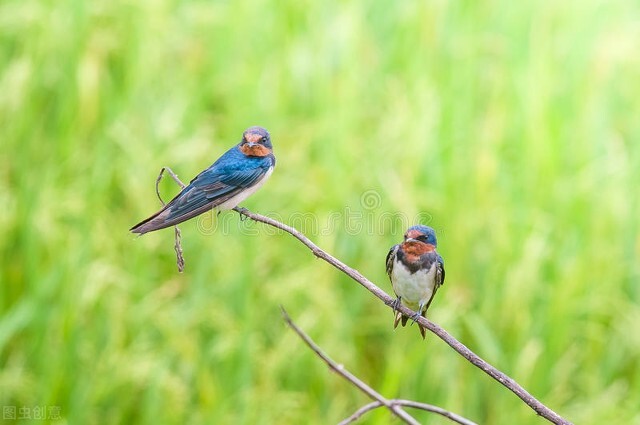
x: 177, y: 246
x: 360, y: 412
x: 396, y: 410
x: 407, y: 403
x: 465, y: 352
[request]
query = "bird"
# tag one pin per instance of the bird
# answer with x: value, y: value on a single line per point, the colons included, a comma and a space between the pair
x: 416, y: 272
x: 233, y: 177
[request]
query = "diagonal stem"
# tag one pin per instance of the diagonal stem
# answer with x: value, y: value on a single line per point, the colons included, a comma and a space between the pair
x: 340, y: 369
x: 463, y: 350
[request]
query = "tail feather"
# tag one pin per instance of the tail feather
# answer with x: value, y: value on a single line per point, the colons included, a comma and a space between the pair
x: 401, y: 318
x: 161, y: 219
x: 155, y: 222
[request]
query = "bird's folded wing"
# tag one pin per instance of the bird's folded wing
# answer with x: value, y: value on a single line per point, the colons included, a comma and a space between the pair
x: 211, y: 188
x: 440, y: 274
x: 390, y: 258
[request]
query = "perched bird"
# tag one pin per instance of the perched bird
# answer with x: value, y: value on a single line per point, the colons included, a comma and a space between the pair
x: 416, y: 272
x: 227, y: 182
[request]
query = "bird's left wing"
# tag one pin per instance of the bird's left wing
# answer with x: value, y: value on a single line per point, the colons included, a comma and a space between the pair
x: 212, y: 188
x: 440, y: 271
x: 226, y: 185
x: 207, y: 190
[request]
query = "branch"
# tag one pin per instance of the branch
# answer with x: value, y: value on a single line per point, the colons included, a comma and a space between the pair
x: 465, y: 352
x: 407, y: 403
x: 392, y: 405
x: 177, y: 247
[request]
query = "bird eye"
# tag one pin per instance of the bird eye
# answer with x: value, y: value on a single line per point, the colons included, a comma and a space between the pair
x: 264, y: 139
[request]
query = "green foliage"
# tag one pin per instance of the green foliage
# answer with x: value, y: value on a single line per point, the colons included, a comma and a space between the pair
x: 511, y: 128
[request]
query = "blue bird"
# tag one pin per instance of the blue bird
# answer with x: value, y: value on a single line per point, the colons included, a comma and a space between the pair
x: 416, y: 272
x: 237, y: 174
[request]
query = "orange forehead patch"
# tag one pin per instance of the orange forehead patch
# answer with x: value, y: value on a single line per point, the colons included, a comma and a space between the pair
x: 257, y: 150
x: 252, y: 137
x: 413, y: 234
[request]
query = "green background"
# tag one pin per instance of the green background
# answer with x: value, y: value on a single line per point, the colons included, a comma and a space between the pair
x: 510, y: 127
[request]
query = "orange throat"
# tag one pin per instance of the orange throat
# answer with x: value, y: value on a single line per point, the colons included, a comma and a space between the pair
x: 414, y: 250
x: 257, y: 150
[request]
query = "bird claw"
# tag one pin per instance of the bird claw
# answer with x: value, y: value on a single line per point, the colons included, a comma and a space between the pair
x: 242, y: 211
x: 395, y: 305
x: 415, y: 317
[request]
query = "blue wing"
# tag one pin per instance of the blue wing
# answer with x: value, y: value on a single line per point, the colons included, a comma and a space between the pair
x: 227, y: 177
x: 210, y: 189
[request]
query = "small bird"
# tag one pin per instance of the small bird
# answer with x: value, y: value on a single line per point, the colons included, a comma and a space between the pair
x: 237, y: 174
x: 416, y: 272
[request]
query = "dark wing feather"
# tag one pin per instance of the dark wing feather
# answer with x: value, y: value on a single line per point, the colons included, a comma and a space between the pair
x: 440, y: 271
x: 211, y: 189
x: 207, y: 190
x: 390, y: 259
x: 439, y: 277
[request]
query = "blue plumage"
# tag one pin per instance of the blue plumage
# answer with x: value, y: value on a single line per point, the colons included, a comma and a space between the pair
x: 227, y: 182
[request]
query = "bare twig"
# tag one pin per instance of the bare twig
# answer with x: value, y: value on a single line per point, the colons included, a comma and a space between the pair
x: 360, y: 412
x: 396, y: 410
x: 465, y: 352
x: 407, y: 403
x: 393, y: 405
x: 177, y: 246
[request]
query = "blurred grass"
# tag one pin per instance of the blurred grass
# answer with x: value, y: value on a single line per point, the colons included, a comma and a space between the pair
x: 511, y: 127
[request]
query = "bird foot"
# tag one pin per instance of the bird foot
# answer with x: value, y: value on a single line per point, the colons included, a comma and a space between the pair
x: 415, y: 317
x: 242, y: 211
x: 396, y: 304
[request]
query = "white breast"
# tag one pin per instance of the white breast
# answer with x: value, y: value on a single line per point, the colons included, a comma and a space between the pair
x: 414, y: 288
x: 233, y: 202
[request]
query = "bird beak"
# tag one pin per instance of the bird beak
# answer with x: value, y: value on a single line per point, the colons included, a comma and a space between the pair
x: 251, y: 144
x: 411, y: 240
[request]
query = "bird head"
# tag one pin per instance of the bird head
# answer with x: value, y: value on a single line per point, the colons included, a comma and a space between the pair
x: 421, y: 233
x: 256, y: 142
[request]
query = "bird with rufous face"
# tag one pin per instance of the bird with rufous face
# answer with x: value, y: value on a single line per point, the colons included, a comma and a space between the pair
x: 416, y: 272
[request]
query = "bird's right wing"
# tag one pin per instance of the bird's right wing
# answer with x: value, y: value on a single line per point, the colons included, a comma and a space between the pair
x: 391, y: 256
